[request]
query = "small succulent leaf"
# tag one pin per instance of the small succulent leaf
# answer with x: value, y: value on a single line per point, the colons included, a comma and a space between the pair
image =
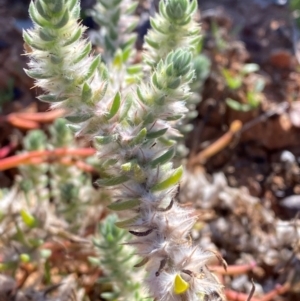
x: 50, y: 98
x: 174, y: 84
x: 63, y: 21
x: 159, y: 133
x: 57, y: 7
x: 118, y: 59
x: 93, y: 67
x: 25, y: 258
x: 95, y: 261
x: 113, y: 181
x: 124, y: 205
x: 34, y: 15
x: 78, y: 118
x: 125, y: 107
x: 156, y: 82
x: 46, y: 36
x: 86, y: 50
x: 172, y: 180
x: 131, y: 8
x: 130, y: 42
x: 74, y: 128
x: 166, y: 157
x: 134, y: 69
x: 28, y: 218
x: 126, y: 223
x: 102, y: 140
x: 86, y: 93
x: 115, y: 106
x: 37, y: 75
x: 40, y: 9
x: 139, y: 138
x: 73, y: 38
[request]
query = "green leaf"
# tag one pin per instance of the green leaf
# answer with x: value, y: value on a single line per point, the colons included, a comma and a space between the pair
x: 253, y: 99
x: 40, y: 8
x: 156, y: 82
x: 237, y: 106
x: 63, y: 21
x: 193, y: 7
x: 95, y: 261
x: 29, y: 40
x: 126, y: 223
x: 102, y: 140
x: 153, y: 44
x: 57, y: 7
x: 73, y: 38
x: 129, y: 42
x: 118, y: 58
x: 170, y: 181
x: 112, y: 181
x: 156, y: 134
x: 166, y: 157
x: 86, y: 50
x: 78, y: 118
x: 139, y: 138
x: 86, y: 93
x: 50, y: 98
x: 55, y: 59
x: 28, y: 218
x: 174, y: 117
x: 125, y: 108
x: 231, y: 81
x: 115, y: 106
x: 74, y: 128
x: 157, y: 27
x: 126, y: 54
x: 131, y: 8
x: 140, y: 95
x: 25, y: 258
x: 93, y: 67
x: 174, y: 84
x: 109, y: 296
x: 35, y: 17
x: 36, y: 74
x: 134, y: 69
x: 124, y: 205
x: 45, y: 35
x: 131, y: 27
x: 72, y: 5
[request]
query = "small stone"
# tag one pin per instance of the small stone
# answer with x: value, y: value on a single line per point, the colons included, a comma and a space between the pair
x: 287, y: 156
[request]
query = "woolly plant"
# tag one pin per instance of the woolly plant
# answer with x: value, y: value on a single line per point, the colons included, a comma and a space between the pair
x: 49, y: 199
x: 116, y: 21
x: 130, y: 131
x: 117, y: 261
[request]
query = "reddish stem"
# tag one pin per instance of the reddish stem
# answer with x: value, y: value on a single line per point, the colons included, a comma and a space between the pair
x: 43, y: 117
x: 16, y: 160
x: 22, y: 123
x: 5, y: 150
x: 237, y: 296
x: 278, y: 290
x: 233, y: 269
x: 30, y: 121
x: 218, y: 145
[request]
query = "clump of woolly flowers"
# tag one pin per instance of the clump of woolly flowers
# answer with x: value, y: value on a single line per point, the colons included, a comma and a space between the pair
x: 186, y: 278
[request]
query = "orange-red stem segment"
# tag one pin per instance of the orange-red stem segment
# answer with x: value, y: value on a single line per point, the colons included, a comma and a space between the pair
x: 16, y: 160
